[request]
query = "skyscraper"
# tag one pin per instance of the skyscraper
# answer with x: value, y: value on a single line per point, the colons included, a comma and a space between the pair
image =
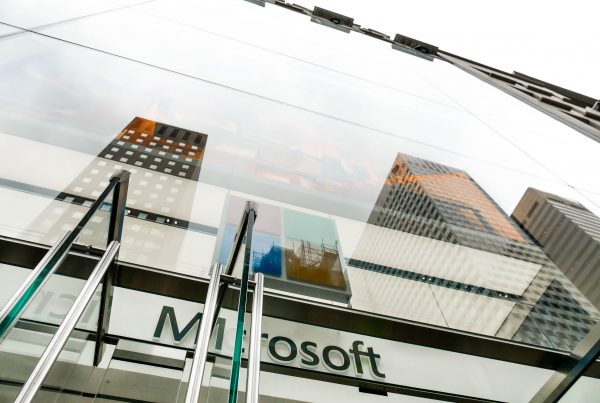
x: 569, y: 234
x: 434, y: 224
x: 166, y: 162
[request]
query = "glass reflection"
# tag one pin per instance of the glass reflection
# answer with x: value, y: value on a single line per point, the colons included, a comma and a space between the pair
x: 297, y: 251
x: 434, y: 225
x: 310, y: 131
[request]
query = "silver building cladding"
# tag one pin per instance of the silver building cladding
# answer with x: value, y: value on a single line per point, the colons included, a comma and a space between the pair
x: 568, y: 233
x: 435, y: 204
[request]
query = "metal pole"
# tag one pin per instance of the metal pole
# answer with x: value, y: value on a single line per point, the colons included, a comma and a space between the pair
x: 36, y: 279
x: 197, y: 371
x: 55, y: 346
x: 237, y: 244
x: 241, y: 314
x: 117, y: 212
x: 253, y: 375
x: 115, y: 229
x: 55, y: 256
x: 584, y: 355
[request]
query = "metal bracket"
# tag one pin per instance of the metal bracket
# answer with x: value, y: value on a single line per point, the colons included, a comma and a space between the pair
x: 414, y: 47
x: 257, y: 2
x: 332, y: 19
x: 584, y: 355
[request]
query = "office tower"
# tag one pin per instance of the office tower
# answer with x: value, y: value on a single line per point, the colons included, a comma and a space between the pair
x: 158, y: 147
x: 433, y: 224
x: 165, y: 162
x: 568, y: 233
x: 429, y: 199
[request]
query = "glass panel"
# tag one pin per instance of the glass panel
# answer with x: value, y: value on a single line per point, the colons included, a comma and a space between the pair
x: 67, y: 378
x: 174, y: 322
x: 417, y: 165
x: 376, y: 361
x: 42, y: 216
x: 219, y: 381
x: 587, y: 388
x: 95, y: 232
x: 34, y: 15
x: 297, y: 251
x: 142, y: 372
x: 170, y: 323
x: 48, y: 300
x: 70, y: 375
x: 290, y: 347
x: 54, y: 221
x: 31, y: 334
x: 277, y: 387
x: 302, y: 349
x: 347, y: 192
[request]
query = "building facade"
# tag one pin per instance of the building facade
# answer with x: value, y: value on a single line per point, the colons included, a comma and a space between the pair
x: 513, y: 289
x: 375, y: 184
x: 569, y: 234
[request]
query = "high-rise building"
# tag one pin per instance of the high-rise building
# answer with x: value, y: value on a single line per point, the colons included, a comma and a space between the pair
x: 424, y: 207
x: 166, y: 162
x: 568, y: 233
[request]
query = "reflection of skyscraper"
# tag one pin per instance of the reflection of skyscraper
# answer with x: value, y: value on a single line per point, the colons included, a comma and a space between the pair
x: 439, y: 202
x: 158, y: 147
x: 569, y: 234
x: 433, y: 225
x: 165, y: 163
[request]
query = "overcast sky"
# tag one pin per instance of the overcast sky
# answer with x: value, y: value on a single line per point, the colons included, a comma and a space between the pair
x: 554, y: 41
x: 249, y: 60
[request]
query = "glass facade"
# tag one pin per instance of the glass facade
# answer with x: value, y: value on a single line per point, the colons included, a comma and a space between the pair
x: 384, y: 183
x: 433, y: 224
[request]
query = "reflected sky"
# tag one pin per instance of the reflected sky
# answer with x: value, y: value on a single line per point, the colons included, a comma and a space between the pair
x: 73, y: 105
